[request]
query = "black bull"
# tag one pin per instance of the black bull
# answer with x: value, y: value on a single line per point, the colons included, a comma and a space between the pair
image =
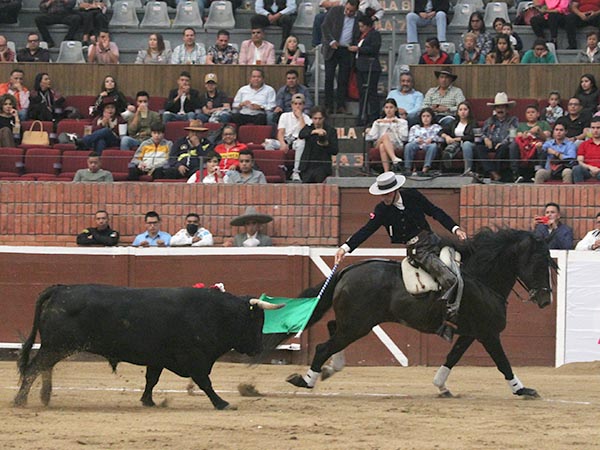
x: 372, y: 292
x: 184, y: 330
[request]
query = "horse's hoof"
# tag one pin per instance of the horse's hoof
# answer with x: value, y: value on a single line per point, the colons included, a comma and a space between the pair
x: 148, y: 403
x: 527, y: 393
x: 19, y: 402
x: 297, y: 380
x: 190, y: 389
x: 226, y: 407
x: 326, y: 372
x: 445, y: 394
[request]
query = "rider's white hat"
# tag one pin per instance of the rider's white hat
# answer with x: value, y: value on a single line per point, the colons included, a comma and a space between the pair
x: 387, y: 182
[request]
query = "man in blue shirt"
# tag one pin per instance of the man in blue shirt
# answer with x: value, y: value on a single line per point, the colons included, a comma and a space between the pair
x: 556, y: 151
x: 153, y: 237
x: 409, y: 101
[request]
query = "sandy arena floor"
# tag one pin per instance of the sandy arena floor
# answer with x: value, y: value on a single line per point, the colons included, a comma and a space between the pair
x: 360, y: 408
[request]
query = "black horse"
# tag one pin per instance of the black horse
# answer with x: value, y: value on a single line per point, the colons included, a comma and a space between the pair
x: 372, y: 292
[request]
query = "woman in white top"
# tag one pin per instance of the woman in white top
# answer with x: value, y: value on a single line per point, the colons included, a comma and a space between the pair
x: 389, y: 133
x: 156, y: 52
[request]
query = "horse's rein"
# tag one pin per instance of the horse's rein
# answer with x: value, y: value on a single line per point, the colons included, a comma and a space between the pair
x: 532, y: 292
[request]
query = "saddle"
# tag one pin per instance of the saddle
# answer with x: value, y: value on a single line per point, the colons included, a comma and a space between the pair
x: 417, y: 281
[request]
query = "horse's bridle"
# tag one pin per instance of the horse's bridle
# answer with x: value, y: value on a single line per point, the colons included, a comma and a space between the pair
x: 532, y: 292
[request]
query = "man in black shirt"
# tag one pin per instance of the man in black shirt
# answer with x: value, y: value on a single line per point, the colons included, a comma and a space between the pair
x: 576, y: 121
x: 32, y: 51
x: 101, y: 235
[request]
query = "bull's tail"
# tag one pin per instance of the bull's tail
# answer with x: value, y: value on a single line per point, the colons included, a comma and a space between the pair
x: 23, y: 361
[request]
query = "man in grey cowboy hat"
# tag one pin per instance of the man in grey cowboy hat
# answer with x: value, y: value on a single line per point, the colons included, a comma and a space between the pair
x: 497, y: 138
x: 445, y: 97
x: 402, y: 213
x: 251, y: 220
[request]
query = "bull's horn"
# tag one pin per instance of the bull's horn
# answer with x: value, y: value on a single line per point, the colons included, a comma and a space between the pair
x: 265, y: 305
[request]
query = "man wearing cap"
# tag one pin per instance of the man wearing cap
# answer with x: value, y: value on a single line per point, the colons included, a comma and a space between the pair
x: 444, y: 98
x: 251, y: 220
x: 182, y: 102
x: 186, y: 154
x: 499, y: 132
x: 222, y: 52
x: 402, y: 213
x: 214, y: 104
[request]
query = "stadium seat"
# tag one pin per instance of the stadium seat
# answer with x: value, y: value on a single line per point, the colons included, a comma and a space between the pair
x: 73, y: 127
x: 157, y: 104
x: 494, y: 10
x: 220, y: 16
x: 11, y: 46
x: 254, y: 134
x: 188, y: 15
x: 124, y: 15
x: 478, y: 4
x: 448, y: 47
x: 272, y: 164
x: 407, y: 54
x: 462, y: 13
x: 156, y: 16
x: 11, y: 161
x: 72, y: 161
x: 552, y: 49
x: 306, y: 14
x: 175, y: 130
x: 81, y: 103
x: 117, y: 162
x: 41, y: 163
x: 70, y: 52
x: 522, y: 6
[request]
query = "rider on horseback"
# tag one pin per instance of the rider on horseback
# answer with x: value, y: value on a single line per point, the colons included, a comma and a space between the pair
x: 402, y: 213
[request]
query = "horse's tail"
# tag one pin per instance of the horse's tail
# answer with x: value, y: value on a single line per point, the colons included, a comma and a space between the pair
x: 26, y: 347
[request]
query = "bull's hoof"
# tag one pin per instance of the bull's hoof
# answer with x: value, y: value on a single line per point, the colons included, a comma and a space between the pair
x: 527, y: 393
x: 326, y: 372
x: 297, y: 380
x: 446, y: 394
x: 190, y: 388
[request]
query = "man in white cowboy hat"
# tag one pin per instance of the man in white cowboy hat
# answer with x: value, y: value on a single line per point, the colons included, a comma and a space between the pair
x: 251, y: 220
x: 402, y: 213
x: 445, y: 98
x: 499, y: 132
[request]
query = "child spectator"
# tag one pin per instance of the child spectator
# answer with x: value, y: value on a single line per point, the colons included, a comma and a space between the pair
x: 553, y: 111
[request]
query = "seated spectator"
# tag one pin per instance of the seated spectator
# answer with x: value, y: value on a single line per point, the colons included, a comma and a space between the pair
x: 444, y: 98
x: 245, y: 173
x: 256, y: 51
x: 433, y: 53
x: 153, y: 236
x: 16, y: 88
x: 503, y: 52
x: 152, y: 156
x: 6, y: 54
x: 515, y: 39
x: 10, y: 125
x: 292, y: 55
x: 252, y: 236
x: 94, y: 172
x: 321, y: 145
x: 193, y: 235
x: 105, y: 131
x: 530, y: 137
x: 222, y: 52
x: 211, y: 174
x: 553, y: 111
x: 432, y: 12
x: 554, y: 13
x: 587, y: 93
x: 539, y: 54
x: 275, y: 12
x: 583, y: 13
x: 45, y: 103
x: 102, y: 234
x: 459, y: 135
x: 182, y: 102
x: 575, y: 121
x: 389, y: 133
x: 9, y: 11
x: 140, y: 123
x: 554, y: 152
x: 557, y: 235
x: 214, y: 104
x: 497, y: 25
x: 283, y: 99
x: 189, y: 52
x: 254, y: 101
x: 93, y: 18
x: 110, y: 92
x: 408, y: 99
x: 288, y: 129
x: 588, y: 156
x: 32, y: 51
x: 229, y: 149
x: 483, y: 41
x: 496, y: 138
x: 103, y: 50
x: 423, y: 136
x: 591, y: 241
x: 156, y: 53
x: 54, y: 12
x: 187, y: 153
x: 469, y: 53
x: 591, y: 53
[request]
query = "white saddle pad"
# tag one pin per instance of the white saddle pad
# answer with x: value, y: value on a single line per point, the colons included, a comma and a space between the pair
x: 417, y: 281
